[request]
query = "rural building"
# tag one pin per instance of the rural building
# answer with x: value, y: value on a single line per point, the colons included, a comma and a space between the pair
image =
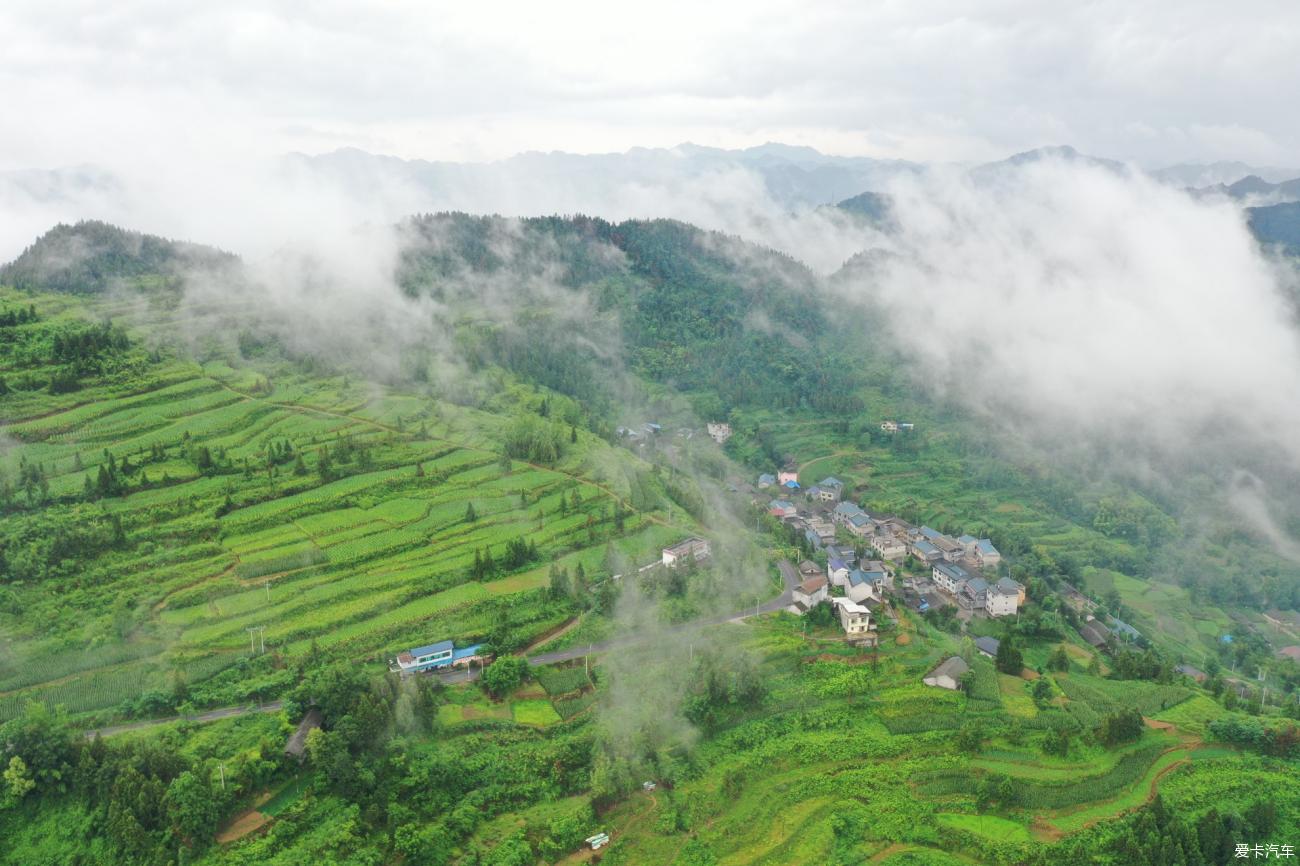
x: 812, y: 592
x: 889, y: 427
x: 926, y: 551
x: 1290, y: 652
x: 844, y: 511
x: 1003, y: 598
x: 889, y: 547
x: 948, y: 674
x: 967, y: 543
x: 782, y: 508
x: 434, y: 656
x: 864, y: 584
x: 988, y: 646
x: 719, y: 432
x: 950, y: 577
x: 855, y: 618
x: 1196, y: 674
x: 842, y: 551
x: 861, y: 525
x: 766, y: 480
x: 296, y: 748
x: 839, y: 571
x: 831, y: 489
x: 975, y: 591
x: 986, y: 555
x: 1120, y: 627
x: 695, y: 549
x: 789, y: 473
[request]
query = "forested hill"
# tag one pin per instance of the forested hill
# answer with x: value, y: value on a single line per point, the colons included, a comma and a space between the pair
x: 699, y: 310
x: 91, y: 257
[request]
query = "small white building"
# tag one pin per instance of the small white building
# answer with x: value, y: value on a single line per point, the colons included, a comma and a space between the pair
x: 948, y: 674
x: 1003, y: 598
x: 839, y: 571
x: 696, y: 548
x: 812, y: 592
x: 855, y: 618
x: 719, y: 432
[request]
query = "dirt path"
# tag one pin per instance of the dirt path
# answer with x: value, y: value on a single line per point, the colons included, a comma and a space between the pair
x: 208, y: 716
x: 554, y: 633
x: 248, y: 821
x: 808, y: 463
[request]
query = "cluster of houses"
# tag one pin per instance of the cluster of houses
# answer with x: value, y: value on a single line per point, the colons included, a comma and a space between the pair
x: 864, y: 589
x: 957, y: 566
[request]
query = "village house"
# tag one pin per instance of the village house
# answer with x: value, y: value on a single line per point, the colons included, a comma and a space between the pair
x: 967, y: 543
x: 824, y: 528
x: 1118, y: 626
x: 1290, y: 652
x: 1003, y: 598
x: 788, y: 474
x: 988, y: 646
x: 839, y: 571
x: 1077, y: 601
x: 889, y: 426
x: 436, y: 656
x: 812, y: 592
x: 1196, y: 674
x: 948, y: 674
x: 869, y: 581
x: 986, y: 555
x: 790, y: 486
x: 831, y: 489
x: 926, y: 551
x: 889, y: 547
x: 975, y: 591
x: 808, y: 569
x: 782, y: 508
x: 861, y: 525
x: 766, y: 480
x: 855, y: 618
x: 692, y: 548
x: 842, y: 551
x: 718, y: 432
x: 844, y: 511
x: 950, y: 577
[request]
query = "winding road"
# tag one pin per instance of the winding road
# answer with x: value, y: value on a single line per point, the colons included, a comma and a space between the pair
x: 789, y: 580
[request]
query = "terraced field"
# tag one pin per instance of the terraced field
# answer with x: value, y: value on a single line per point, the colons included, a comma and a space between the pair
x: 231, y: 523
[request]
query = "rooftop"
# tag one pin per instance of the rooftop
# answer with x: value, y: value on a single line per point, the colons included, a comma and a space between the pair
x: 441, y: 646
x: 988, y: 645
x: 953, y: 667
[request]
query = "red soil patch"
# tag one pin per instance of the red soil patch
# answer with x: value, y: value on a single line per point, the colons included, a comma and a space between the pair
x: 245, y: 823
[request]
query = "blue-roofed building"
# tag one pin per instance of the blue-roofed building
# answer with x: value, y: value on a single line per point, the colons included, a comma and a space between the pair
x: 865, y: 583
x: 1124, y: 628
x: 976, y: 590
x: 435, y: 656
x: 846, y: 511
x: 926, y: 551
x: 838, y: 570
x: 967, y: 543
x: 930, y: 533
x: 766, y: 480
x: 830, y: 489
x: 986, y: 555
x: 842, y: 551
x: 813, y: 492
x: 950, y: 577
x: 782, y: 508
x: 791, y: 484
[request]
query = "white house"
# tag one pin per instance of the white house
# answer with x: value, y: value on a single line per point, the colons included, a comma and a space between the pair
x: 863, y: 585
x: 812, y: 592
x: 889, y: 426
x: 696, y: 548
x: 1003, y: 598
x: 719, y: 432
x: 855, y: 618
x: 839, y: 571
x: 948, y: 674
x: 949, y: 577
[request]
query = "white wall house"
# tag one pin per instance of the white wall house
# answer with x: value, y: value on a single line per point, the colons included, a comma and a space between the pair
x: 696, y: 548
x: 948, y: 674
x: 1003, y: 598
x: 855, y: 618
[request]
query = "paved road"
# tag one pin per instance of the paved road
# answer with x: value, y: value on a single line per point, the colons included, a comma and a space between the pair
x: 789, y: 577
x: 207, y: 716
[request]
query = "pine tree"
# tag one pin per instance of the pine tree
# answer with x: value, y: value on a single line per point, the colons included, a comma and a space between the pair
x: 470, y: 514
x: 299, y: 466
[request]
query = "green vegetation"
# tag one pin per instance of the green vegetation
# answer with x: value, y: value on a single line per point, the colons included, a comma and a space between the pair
x: 188, y: 527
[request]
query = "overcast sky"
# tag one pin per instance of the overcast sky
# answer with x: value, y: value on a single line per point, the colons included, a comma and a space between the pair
x: 1154, y: 82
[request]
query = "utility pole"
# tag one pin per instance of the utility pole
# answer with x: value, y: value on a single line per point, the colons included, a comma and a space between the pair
x: 261, y: 631
x: 267, y: 586
x: 252, y: 646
